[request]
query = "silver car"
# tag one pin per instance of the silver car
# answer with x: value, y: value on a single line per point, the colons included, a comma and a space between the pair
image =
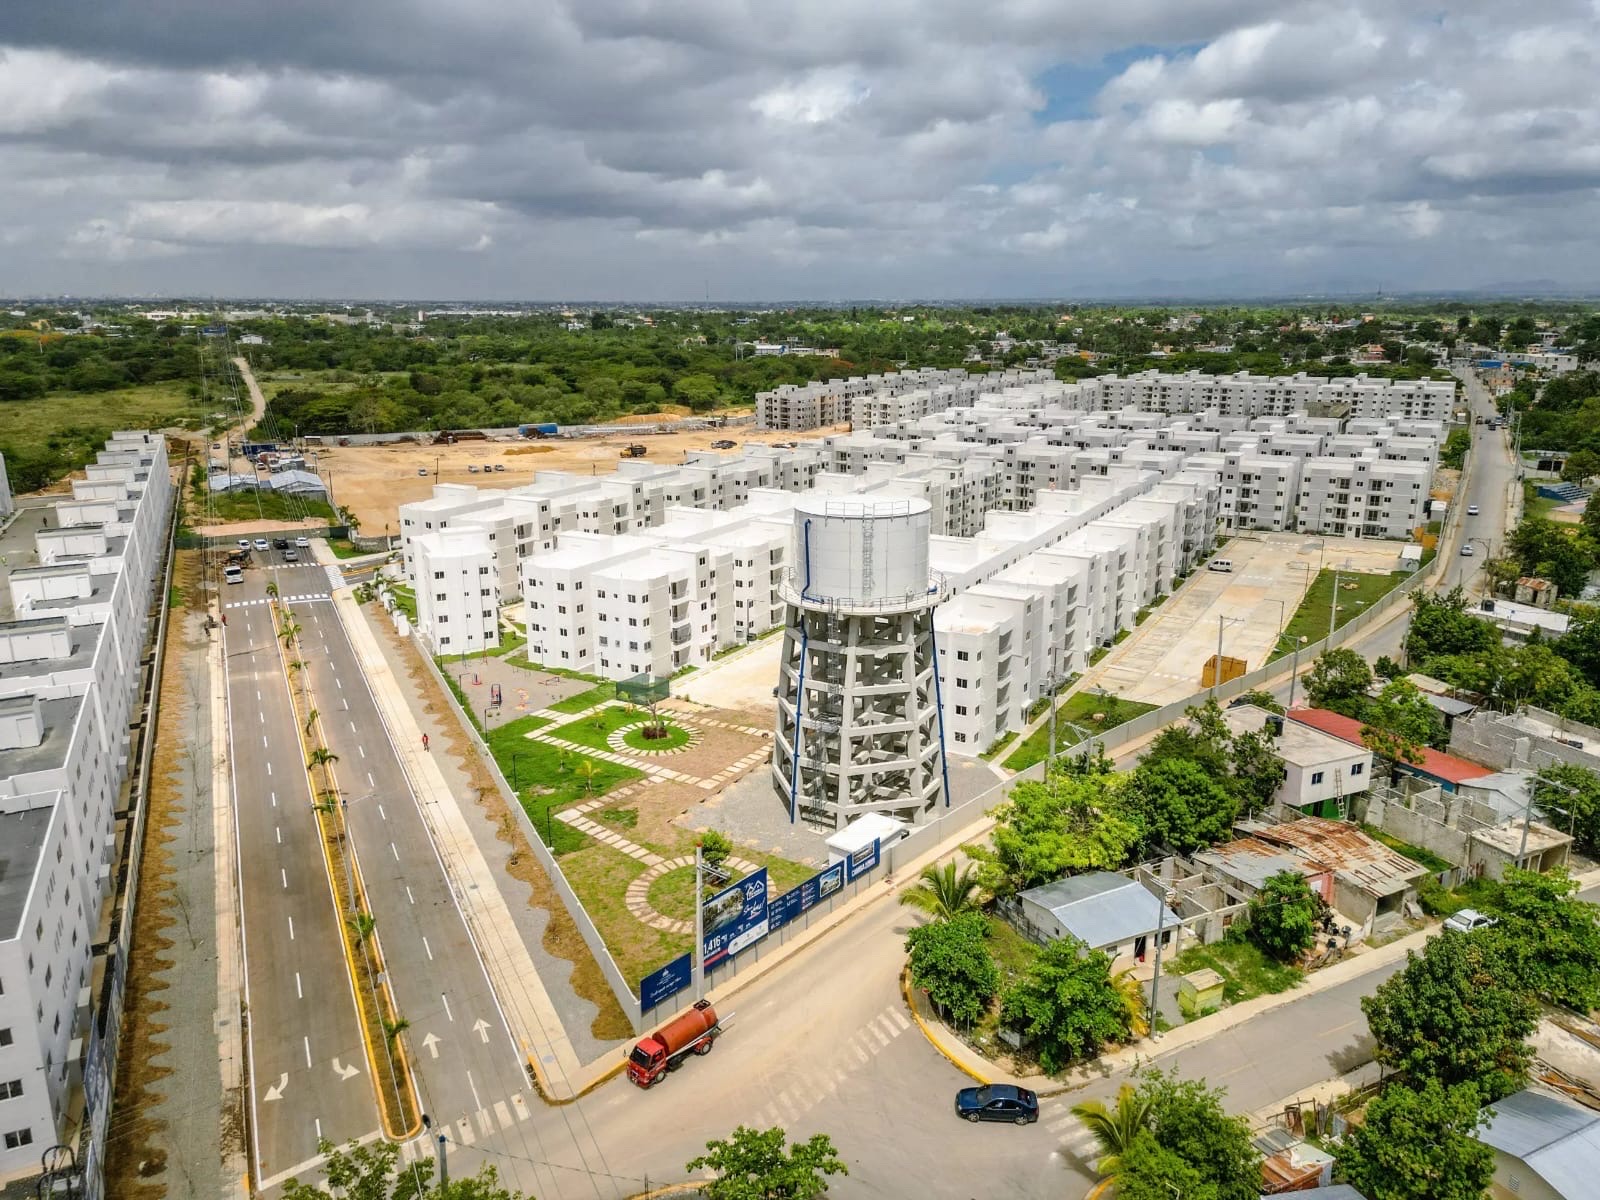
x: 1470, y: 920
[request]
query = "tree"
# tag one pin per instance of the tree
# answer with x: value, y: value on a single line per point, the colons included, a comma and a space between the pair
x: 1574, y: 791
x: 1400, y: 723
x: 1454, y: 452
x: 950, y: 960
x: 373, y: 1172
x: 1443, y: 625
x: 1257, y: 769
x: 1547, y: 550
x: 1455, y: 1016
x: 1551, y: 936
x: 1187, y: 1119
x: 1067, y: 822
x: 1115, y: 1126
x: 1283, y: 917
x: 1066, y: 1005
x: 321, y: 757
x: 1337, y: 679
x: 753, y: 1164
x: 1182, y: 806
x: 587, y: 771
x: 1417, y: 1144
x: 1149, y: 1171
x: 1581, y: 465
x: 1387, y: 668
x: 942, y: 893
x: 715, y: 848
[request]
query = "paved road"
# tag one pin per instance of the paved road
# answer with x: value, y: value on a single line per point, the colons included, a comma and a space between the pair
x: 1488, y: 487
x: 469, y: 1074
x: 302, y: 1013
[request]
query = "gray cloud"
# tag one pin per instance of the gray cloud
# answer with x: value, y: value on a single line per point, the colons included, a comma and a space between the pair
x: 814, y: 149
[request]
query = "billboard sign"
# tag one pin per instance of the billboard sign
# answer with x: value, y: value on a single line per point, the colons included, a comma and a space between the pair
x: 662, y: 985
x: 735, y: 917
x: 797, y: 901
x: 863, y: 860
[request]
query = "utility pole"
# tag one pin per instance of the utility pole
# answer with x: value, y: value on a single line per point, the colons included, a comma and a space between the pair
x: 1216, y: 677
x: 1155, y: 982
x: 698, y: 950
x: 1294, y: 669
x: 1333, y: 607
x: 1050, y: 686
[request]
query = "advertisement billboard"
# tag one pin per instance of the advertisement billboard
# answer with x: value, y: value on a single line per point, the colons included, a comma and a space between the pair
x: 664, y: 984
x: 863, y: 860
x: 796, y: 901
x: 735, y: 917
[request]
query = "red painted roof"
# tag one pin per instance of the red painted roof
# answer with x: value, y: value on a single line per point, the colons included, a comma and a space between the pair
x: 1434, y: 762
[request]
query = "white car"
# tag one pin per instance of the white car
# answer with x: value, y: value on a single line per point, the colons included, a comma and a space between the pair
x: 1468, y: 920
x: 261, y: 545
x: 244, y: 543
x: 1472, y: 510
x: 302, y: 542
x: 1466, y: 551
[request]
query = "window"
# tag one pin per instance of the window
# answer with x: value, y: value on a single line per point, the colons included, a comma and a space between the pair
x: 960, y: 683
x: 19, y: 1138
x: 1316, y: 777
x: 961, y: 656
x: 961, y: 710
x: 1356, y: 769
x: 5, y: 1037
x: 11, y: 1090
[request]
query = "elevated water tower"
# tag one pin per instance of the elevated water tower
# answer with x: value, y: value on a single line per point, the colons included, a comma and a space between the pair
x: 859, y: 725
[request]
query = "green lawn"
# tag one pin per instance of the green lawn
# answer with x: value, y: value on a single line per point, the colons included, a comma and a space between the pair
x: 260, y: 506
x: 672, y: 737
x: 1079, y: 708
x: 593, y: 730
x: 1247, y: 972
x: 506, y: 645
x: 344, y: 549
x: 1310, y: 620
x: 598, y: 694
x: 1423, y: 858
x: 1535, y: 505
x: 522, y: 660
x: 406, y: 600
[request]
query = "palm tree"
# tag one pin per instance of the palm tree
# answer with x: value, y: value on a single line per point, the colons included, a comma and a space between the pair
x: 1133, y: 1001
x: 311, y: 719
x: 321, y: 757
x: 272, y: 591
x: 289, y: 631
x: 362, y: 925
x: 586, y: 770
x: 942, y: 893
x: 393, y: 1029
x: 1114, y: 1128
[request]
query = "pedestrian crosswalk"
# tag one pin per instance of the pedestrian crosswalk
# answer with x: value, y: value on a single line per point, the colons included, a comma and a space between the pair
x: 281, y: 600
x: 466, y: 1130
x: 790, y: 1106
x: 1071, y: 1136
x: 335, y: 577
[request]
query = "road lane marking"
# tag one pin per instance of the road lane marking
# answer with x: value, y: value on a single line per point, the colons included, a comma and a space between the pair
x: 877, y: 1036
x: 1338, y: 1029
x: 485, y: 1124
x: 274, y: 796
x: 337, y: 684
x: 900, y: 1019
x: 503, y: 1114
x: 861, y: 1054
x: 346, y: 704
x: 298, y: 994
x: 447, y: 1011
x: 409, y: 896
x: 394, y: 852
x: 369, y: 780
x: 262, y: 717
x: 427, y: 947
x: 352, y: 727
x: 521, y: 1106
x: 269, y: 768
x: 476, y: 1103
x: 464, y: 1129
x: 278, y: 829
x: 263, y: 739
x: 307, y: 1042
x: 319, y: 1128
x: 284, y: 875
x: 382, y: 814
x: 291, y: 929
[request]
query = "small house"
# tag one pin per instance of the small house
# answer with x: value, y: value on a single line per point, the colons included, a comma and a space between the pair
x: 1104, y: 911
x: 1545, y: 1147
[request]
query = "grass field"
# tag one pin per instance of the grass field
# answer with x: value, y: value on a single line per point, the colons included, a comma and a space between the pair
x: 1535, y: 505
x: 48, y: 438
x: 598, y: 694
x: 1310, y: 620
x: 1246, y: 971
x: 1080, y: 709
x: 260, y: 506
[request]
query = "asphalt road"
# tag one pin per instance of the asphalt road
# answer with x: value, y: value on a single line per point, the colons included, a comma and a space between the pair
x: 304, y: 1034
x: 1488, y: 487
x: 469, y: 1074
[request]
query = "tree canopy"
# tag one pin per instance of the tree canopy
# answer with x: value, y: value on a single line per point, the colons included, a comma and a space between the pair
x: 1181, y: 804
x: 1066, y: 1006
x: 757, y: 1164
x: 950, y: 960
x: 1068, y: 822
x: 1417, y: 1144
x: 1283, y: 917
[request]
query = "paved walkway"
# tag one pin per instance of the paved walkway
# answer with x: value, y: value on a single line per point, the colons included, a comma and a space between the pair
x: 533, y: 1018
x: 641, y: 760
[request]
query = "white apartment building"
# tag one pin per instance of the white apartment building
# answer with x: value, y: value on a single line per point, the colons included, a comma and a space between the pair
x: 73, y: 628
x: 457, y: 590
x: 1367, y: 496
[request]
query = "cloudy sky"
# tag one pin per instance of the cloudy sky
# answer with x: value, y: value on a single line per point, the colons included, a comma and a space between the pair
x: 533, y: 149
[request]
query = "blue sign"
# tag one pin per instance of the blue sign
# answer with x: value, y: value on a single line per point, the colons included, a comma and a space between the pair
x: 797, y: 901
x: 735, y: 917
x: 664, y: 984
x: 863, y: 860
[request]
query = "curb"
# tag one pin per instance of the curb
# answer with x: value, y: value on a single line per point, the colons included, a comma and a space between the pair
x: 905, y: 991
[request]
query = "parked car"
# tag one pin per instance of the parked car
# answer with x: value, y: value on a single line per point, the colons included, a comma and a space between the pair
x: 1468, y: 920
x: 261, y: 544
x: 291, y: 555
x: 723, y: 444
x: 499, y: 466
x: 472, y: 468
x: 280, y: 543
x: 244, y: 543
x: 998, y: 1102
x: 422, y: 470
x: 1472, y: 510
x: 1466, y: 551
x: 302, y: 542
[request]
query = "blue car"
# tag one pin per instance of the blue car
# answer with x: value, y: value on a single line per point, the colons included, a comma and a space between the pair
x: 998, y: 1102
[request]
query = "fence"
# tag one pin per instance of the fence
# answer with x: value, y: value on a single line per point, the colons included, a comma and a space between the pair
x: 188, y: 540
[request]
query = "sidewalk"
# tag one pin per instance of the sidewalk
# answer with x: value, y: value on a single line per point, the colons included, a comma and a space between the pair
x: 970, y: 1062
x: 533, y: 1018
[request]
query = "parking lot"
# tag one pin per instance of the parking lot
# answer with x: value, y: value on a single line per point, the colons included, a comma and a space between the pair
x: 1162, y: 661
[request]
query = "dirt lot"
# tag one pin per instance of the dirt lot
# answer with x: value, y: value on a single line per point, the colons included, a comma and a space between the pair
x: 376, y: 480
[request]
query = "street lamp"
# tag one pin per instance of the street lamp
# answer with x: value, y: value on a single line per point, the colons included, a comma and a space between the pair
x: 1167, y: 897
x: 1294, y: 668
x: 1216, y: 675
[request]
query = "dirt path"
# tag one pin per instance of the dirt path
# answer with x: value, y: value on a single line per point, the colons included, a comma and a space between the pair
x: 258, y: 402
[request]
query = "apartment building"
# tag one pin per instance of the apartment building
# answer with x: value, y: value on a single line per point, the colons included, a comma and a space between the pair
x: 73, y: 628
x: 1367, y: 496
x: 458, y: 590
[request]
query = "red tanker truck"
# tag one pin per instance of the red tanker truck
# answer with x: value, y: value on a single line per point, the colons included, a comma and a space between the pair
x: 664, y: 1050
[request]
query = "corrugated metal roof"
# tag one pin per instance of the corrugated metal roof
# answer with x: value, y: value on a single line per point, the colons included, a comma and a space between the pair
x: 1558, y: 1140
x: 1100, y: 908
x: 1334, y: 1191
x: 1434, y: 763
x: 1252, y: 861
x: 1350, y: 853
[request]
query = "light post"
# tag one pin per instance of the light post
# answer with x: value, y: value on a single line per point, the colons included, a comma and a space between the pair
x: 1294, y: 668
x: 1216, y: 674
x: 1167, y: 897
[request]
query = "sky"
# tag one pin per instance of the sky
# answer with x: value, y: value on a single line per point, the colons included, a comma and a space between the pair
x: 807, y: 150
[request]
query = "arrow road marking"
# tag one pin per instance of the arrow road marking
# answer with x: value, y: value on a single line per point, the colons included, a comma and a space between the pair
x: 344, y: 1072
x: 481, y: 1028
x: 275, y: 1092
x: 432, y: 1043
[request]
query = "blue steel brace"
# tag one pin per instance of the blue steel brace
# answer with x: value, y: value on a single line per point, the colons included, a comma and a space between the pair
x: 938, y: 703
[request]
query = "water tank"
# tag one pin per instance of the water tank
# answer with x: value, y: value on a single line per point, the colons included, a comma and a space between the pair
x: 860, y: 549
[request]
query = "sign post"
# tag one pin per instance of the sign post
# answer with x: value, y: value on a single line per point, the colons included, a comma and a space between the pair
x: 699, y: 924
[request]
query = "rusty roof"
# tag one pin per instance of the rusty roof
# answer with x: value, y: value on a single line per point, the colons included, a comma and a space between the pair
x: 1252, y: 861
x: 1351, y: 853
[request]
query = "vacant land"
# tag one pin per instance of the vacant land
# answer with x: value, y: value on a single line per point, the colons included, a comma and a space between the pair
x: 1357, y: 592
x: 1090, y: 712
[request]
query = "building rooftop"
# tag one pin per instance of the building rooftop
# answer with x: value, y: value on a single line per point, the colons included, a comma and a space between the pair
x: 1302, y: 745
x: 1557, y: 1139
x: 59, y: 717
x: 1434, y: 763
x: 22, y: 837
x: 1252, y: 861
x: 1100, y: 908
x: 1351, y: 853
